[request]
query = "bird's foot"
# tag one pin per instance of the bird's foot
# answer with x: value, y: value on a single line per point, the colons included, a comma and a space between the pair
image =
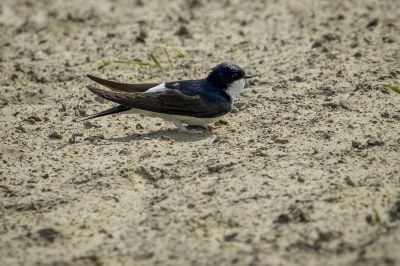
x: 205, y: 127
x: 192, y: 128
x: 182, y: 128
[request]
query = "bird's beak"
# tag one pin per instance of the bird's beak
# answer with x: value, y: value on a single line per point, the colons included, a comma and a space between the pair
x: 250, y: 76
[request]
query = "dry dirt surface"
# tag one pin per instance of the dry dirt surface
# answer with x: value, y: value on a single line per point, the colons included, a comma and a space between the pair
x: 304, y: 172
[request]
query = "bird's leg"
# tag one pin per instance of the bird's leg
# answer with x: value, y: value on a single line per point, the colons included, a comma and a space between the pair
x: 210, y: 127
x: 182, y: 128
x: 179, y: 125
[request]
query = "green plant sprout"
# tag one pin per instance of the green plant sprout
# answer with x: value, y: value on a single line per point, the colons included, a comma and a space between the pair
x: 393, y: 88
x: 155, y: 62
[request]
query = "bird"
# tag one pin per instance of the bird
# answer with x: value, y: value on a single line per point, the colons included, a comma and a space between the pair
x: 194, y: 103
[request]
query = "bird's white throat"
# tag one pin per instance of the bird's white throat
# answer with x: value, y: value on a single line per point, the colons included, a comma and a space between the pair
x: 235, y: 89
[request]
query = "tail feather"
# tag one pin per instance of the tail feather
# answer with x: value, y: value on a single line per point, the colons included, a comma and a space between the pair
x: 112, y: 110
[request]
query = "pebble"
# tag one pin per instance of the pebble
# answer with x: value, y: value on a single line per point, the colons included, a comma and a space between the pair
x: 374, y: 142
x: 355, y: 144
x: 385, y: 115
x: 55, y: 135
x: 21, y: 129
x: 230, y: 237
x: 372, y: 23
x: 88, y: 124
x: 183, y: 31
x: 3, y: 103
x: 48, y: 234
x: 282, y: 141
x: 223, y: 122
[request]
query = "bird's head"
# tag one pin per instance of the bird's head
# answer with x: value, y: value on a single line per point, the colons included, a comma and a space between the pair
x: 228, y: 77
x: 225, y: 74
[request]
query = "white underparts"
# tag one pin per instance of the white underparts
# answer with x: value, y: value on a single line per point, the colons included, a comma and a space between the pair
x: 235, y: 89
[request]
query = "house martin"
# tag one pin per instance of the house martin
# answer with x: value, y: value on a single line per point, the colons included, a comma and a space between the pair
x: 196, y: 103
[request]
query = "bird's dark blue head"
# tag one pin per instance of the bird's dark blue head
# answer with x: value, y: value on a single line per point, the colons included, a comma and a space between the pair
x: 225, y: 74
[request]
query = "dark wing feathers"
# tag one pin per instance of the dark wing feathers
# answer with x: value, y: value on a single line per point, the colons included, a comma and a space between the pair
x: 126, y: 87
x: 113, y: 110
x: 167, y: 102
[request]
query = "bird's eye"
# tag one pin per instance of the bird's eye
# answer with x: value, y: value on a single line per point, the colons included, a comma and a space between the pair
x: 235, y: 75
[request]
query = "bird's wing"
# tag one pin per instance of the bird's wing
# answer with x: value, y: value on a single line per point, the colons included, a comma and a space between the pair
x: 113, y: 110
x: 170, y: 101
x: 126, y: 87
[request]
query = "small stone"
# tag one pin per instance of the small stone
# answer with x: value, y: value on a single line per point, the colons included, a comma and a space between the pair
x: 55, y: 135
x: 300, y: 179
x: 88, y: 124
x: 374, y: 142
x: 316, y: 44
x: 230, y: 237
x: 297, y: 78
x: 394, y: 212
x: 357, y: 54
x: 48, y: 234
x: 349, y: 181
x: 33, y: 119
x: 63, y: 108
x: 355, y: 144
x: 39, y: 55
x: 3, y: 103
x: 281, y: 141
x: 72, y: 139
x: 111, y: 35
x: 344, y: 104
x: 21, y: 129
x: 385, y: 114
x: 330, y: 37
x: 142, y: 36
x: 282, y: 219
x: 369, y: 219
x: 81, y: 112
x: 372, y: 23
x: 209, y: 193
x: 387, y: 39
x: 353, y: 44
x: 139, y: 126
x: 183, y: 31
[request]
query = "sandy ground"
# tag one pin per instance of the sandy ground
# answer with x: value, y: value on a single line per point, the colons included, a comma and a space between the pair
x: 306, y: 172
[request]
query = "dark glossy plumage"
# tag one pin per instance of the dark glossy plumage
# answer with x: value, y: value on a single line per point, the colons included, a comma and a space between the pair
x: 203, y: 98
x: 126, y: 87
x: 174, y: 102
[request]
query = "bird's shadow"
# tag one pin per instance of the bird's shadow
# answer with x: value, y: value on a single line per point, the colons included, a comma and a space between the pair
x: 166, y: 134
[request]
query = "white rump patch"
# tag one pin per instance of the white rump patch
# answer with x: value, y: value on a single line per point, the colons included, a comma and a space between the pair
x: 157, y: 88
